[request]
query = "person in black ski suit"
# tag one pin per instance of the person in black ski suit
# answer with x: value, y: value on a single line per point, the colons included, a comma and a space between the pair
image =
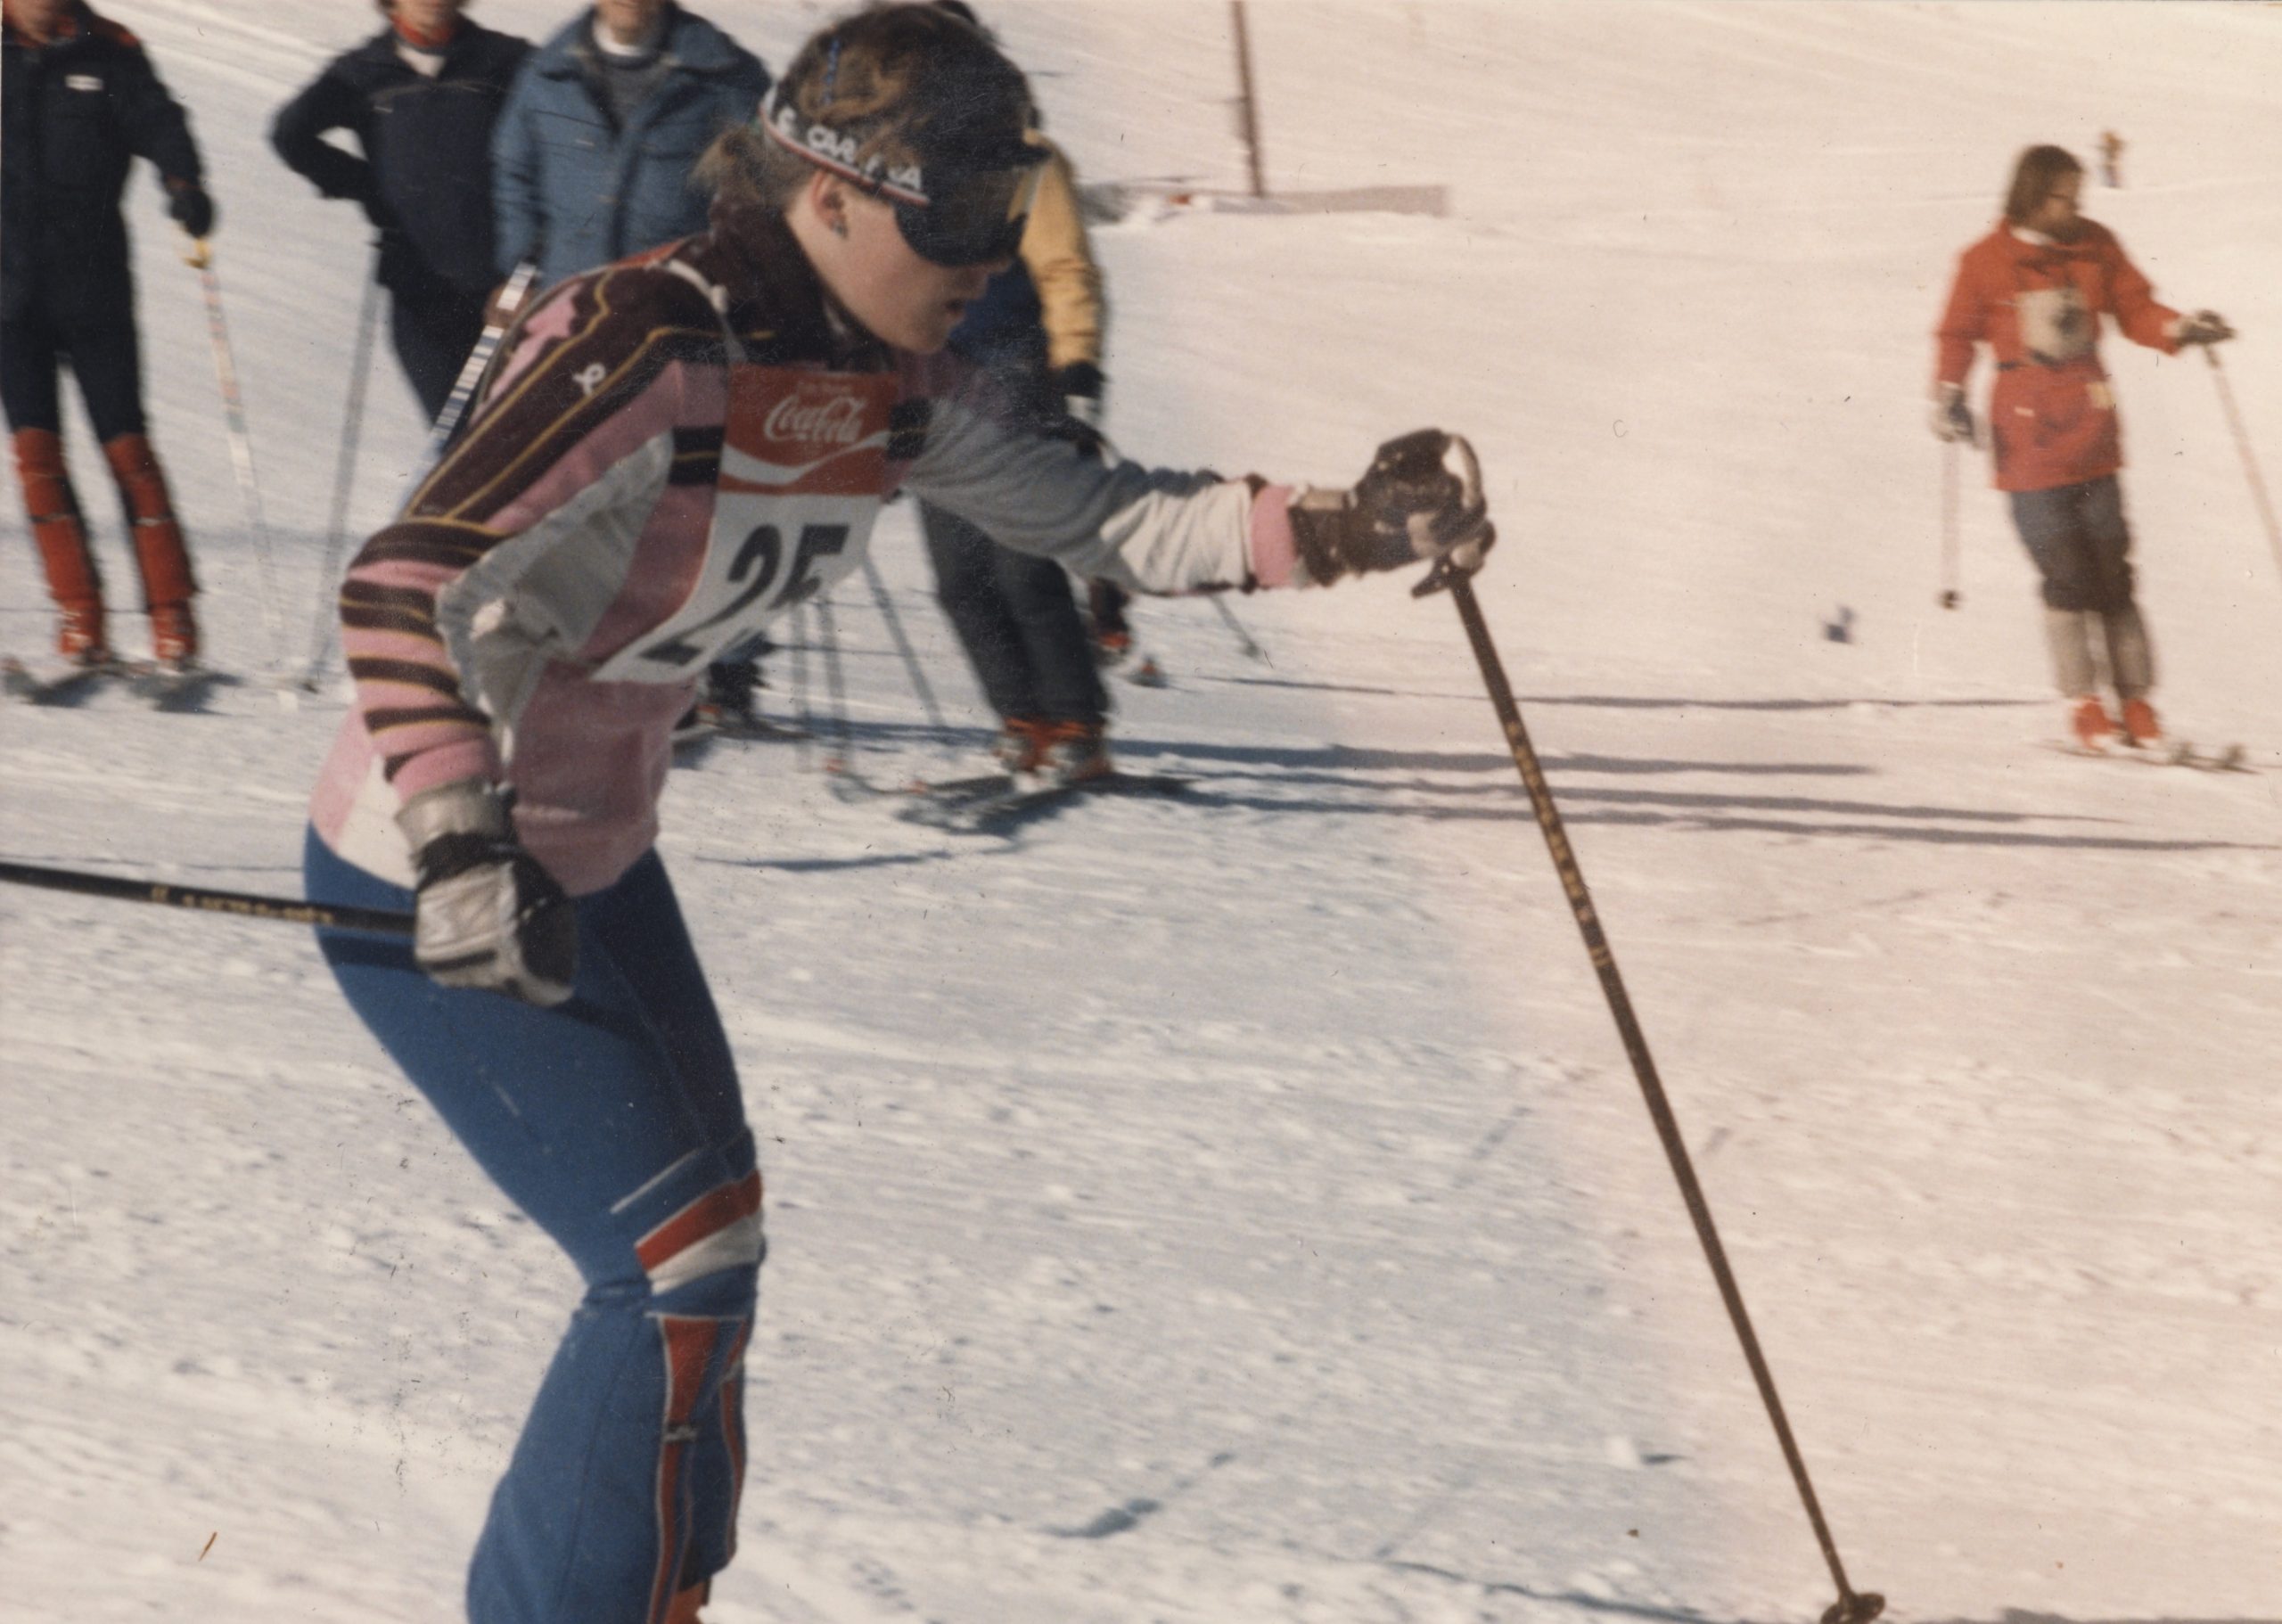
x: 1037, y: 330
x: 421, y: 97
x: 80, y: 103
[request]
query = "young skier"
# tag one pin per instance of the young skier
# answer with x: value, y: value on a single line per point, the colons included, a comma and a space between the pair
x: 668, y: 452
x: 2033, y: 290
x: 81, y: 103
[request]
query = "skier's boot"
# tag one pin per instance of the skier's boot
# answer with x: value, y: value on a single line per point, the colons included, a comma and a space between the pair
x: 1019, y: 742
x: 725, y: 701
x: 1111, y: 648
x: 174, y: 636
x: 683, y: 1608
x: 160, y: 551
x: 72, y: 578
x: 79, y: 635
x: 1071, y: 752
x: 2141, y: 727
x: 692, y: 727
x: 2090, y: 723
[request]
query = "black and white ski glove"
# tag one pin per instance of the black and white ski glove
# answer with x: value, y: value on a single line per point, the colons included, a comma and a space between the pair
x: 1421, y: 499
x: 1082, y: 386
x: 1952, y: 419
x: 486, y: 915
x: 2203, y: 327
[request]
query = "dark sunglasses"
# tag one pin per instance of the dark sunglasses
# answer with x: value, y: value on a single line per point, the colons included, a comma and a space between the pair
x: 973, y: 220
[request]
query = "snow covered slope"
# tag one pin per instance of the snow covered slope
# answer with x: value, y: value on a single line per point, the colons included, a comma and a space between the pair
x: 1240, y: 1208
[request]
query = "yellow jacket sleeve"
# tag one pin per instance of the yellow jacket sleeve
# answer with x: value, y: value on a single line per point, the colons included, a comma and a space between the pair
x: 1061, y: 264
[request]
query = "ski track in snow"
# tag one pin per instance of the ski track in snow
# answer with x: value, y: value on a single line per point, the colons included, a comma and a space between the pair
x: 1238, y: 1207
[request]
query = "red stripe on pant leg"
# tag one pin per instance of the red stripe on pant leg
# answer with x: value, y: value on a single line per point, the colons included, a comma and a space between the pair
x: 688, y: 1347
x: 710, y: 1213
x: 732, y: 1426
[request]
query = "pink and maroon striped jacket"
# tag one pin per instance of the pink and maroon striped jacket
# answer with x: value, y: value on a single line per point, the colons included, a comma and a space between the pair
x: 668, y: 452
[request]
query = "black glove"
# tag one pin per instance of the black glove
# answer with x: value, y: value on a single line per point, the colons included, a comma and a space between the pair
x: 1421, y: 498
x: 1952, y: 419
x: 190, y: 208
x: 486, y: 915
x: 2203, y: 327
x: 1080, y: 385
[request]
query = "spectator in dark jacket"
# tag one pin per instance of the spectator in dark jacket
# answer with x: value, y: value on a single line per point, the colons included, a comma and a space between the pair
x: 422, y: 97
x: 1037, y: 330
x: 592, y: 157
x: 81, y: 102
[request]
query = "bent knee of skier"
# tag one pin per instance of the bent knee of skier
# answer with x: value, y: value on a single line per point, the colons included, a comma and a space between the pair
x: 691, y: 1240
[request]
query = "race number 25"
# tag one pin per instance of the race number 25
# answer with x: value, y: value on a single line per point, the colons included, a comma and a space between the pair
x: 762, y: 576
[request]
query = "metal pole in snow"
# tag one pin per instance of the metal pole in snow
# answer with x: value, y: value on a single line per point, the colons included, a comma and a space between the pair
x: 2242, y: 443
x: 1247, y: 104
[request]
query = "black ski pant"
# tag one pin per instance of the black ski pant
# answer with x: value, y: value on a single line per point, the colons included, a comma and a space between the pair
x: 103, y: 356
x: 2079, y: 541
x: 1106, y: 603
x: 1017, y: 618
x: 433, y: 334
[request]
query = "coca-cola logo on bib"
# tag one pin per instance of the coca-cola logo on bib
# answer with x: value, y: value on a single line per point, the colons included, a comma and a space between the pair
x: 814, y: 419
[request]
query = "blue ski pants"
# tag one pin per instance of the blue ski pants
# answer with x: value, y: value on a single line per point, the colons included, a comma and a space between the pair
x: 614, y: 1121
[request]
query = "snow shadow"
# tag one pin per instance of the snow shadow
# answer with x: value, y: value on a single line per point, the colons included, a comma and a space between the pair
x: 1634, y: 702
x: 1330, y: 762
x: 1602, y: 1606
x: 826, y: 865
x: 1120, y: 1519
x: 2016, y: 1615
x: 1429, y: 798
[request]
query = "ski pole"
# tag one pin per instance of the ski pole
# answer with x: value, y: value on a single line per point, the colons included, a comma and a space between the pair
x: 1253, y: 651
x: 1951, y: 596
x: 903, y: 646
x: 1851, y: 1607
x: 226, y: 372
x: 344, y: 477
x: 287, y: 910
x: 439, y: 436
x: 843, y: 760
x: 797, y: 624
x: 448, y: 421
x: 2242, y: 443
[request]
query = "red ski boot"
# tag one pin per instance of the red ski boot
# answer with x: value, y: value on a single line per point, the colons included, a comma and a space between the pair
x: 1072, y: 752
x: 2090, y: 723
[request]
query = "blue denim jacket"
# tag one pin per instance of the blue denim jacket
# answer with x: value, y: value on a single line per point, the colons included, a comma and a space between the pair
x: 569, y: 191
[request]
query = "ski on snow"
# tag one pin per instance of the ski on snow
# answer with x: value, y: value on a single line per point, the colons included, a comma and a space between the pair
x: 172, y: 688
x: 2225, y: 758
x: 991, y: 801
x: 63, y: 685
x: 161, y: 687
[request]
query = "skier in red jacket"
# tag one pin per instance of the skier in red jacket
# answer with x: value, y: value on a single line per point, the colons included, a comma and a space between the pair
x: 2033, y: 290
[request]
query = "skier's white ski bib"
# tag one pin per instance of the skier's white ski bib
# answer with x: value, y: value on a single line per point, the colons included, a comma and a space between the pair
x: 803, y: 465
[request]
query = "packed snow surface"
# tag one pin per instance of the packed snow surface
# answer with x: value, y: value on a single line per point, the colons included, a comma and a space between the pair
x: 1239, y: 1207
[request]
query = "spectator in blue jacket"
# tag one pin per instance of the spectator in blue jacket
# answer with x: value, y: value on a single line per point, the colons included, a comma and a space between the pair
x: 592, y: 155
